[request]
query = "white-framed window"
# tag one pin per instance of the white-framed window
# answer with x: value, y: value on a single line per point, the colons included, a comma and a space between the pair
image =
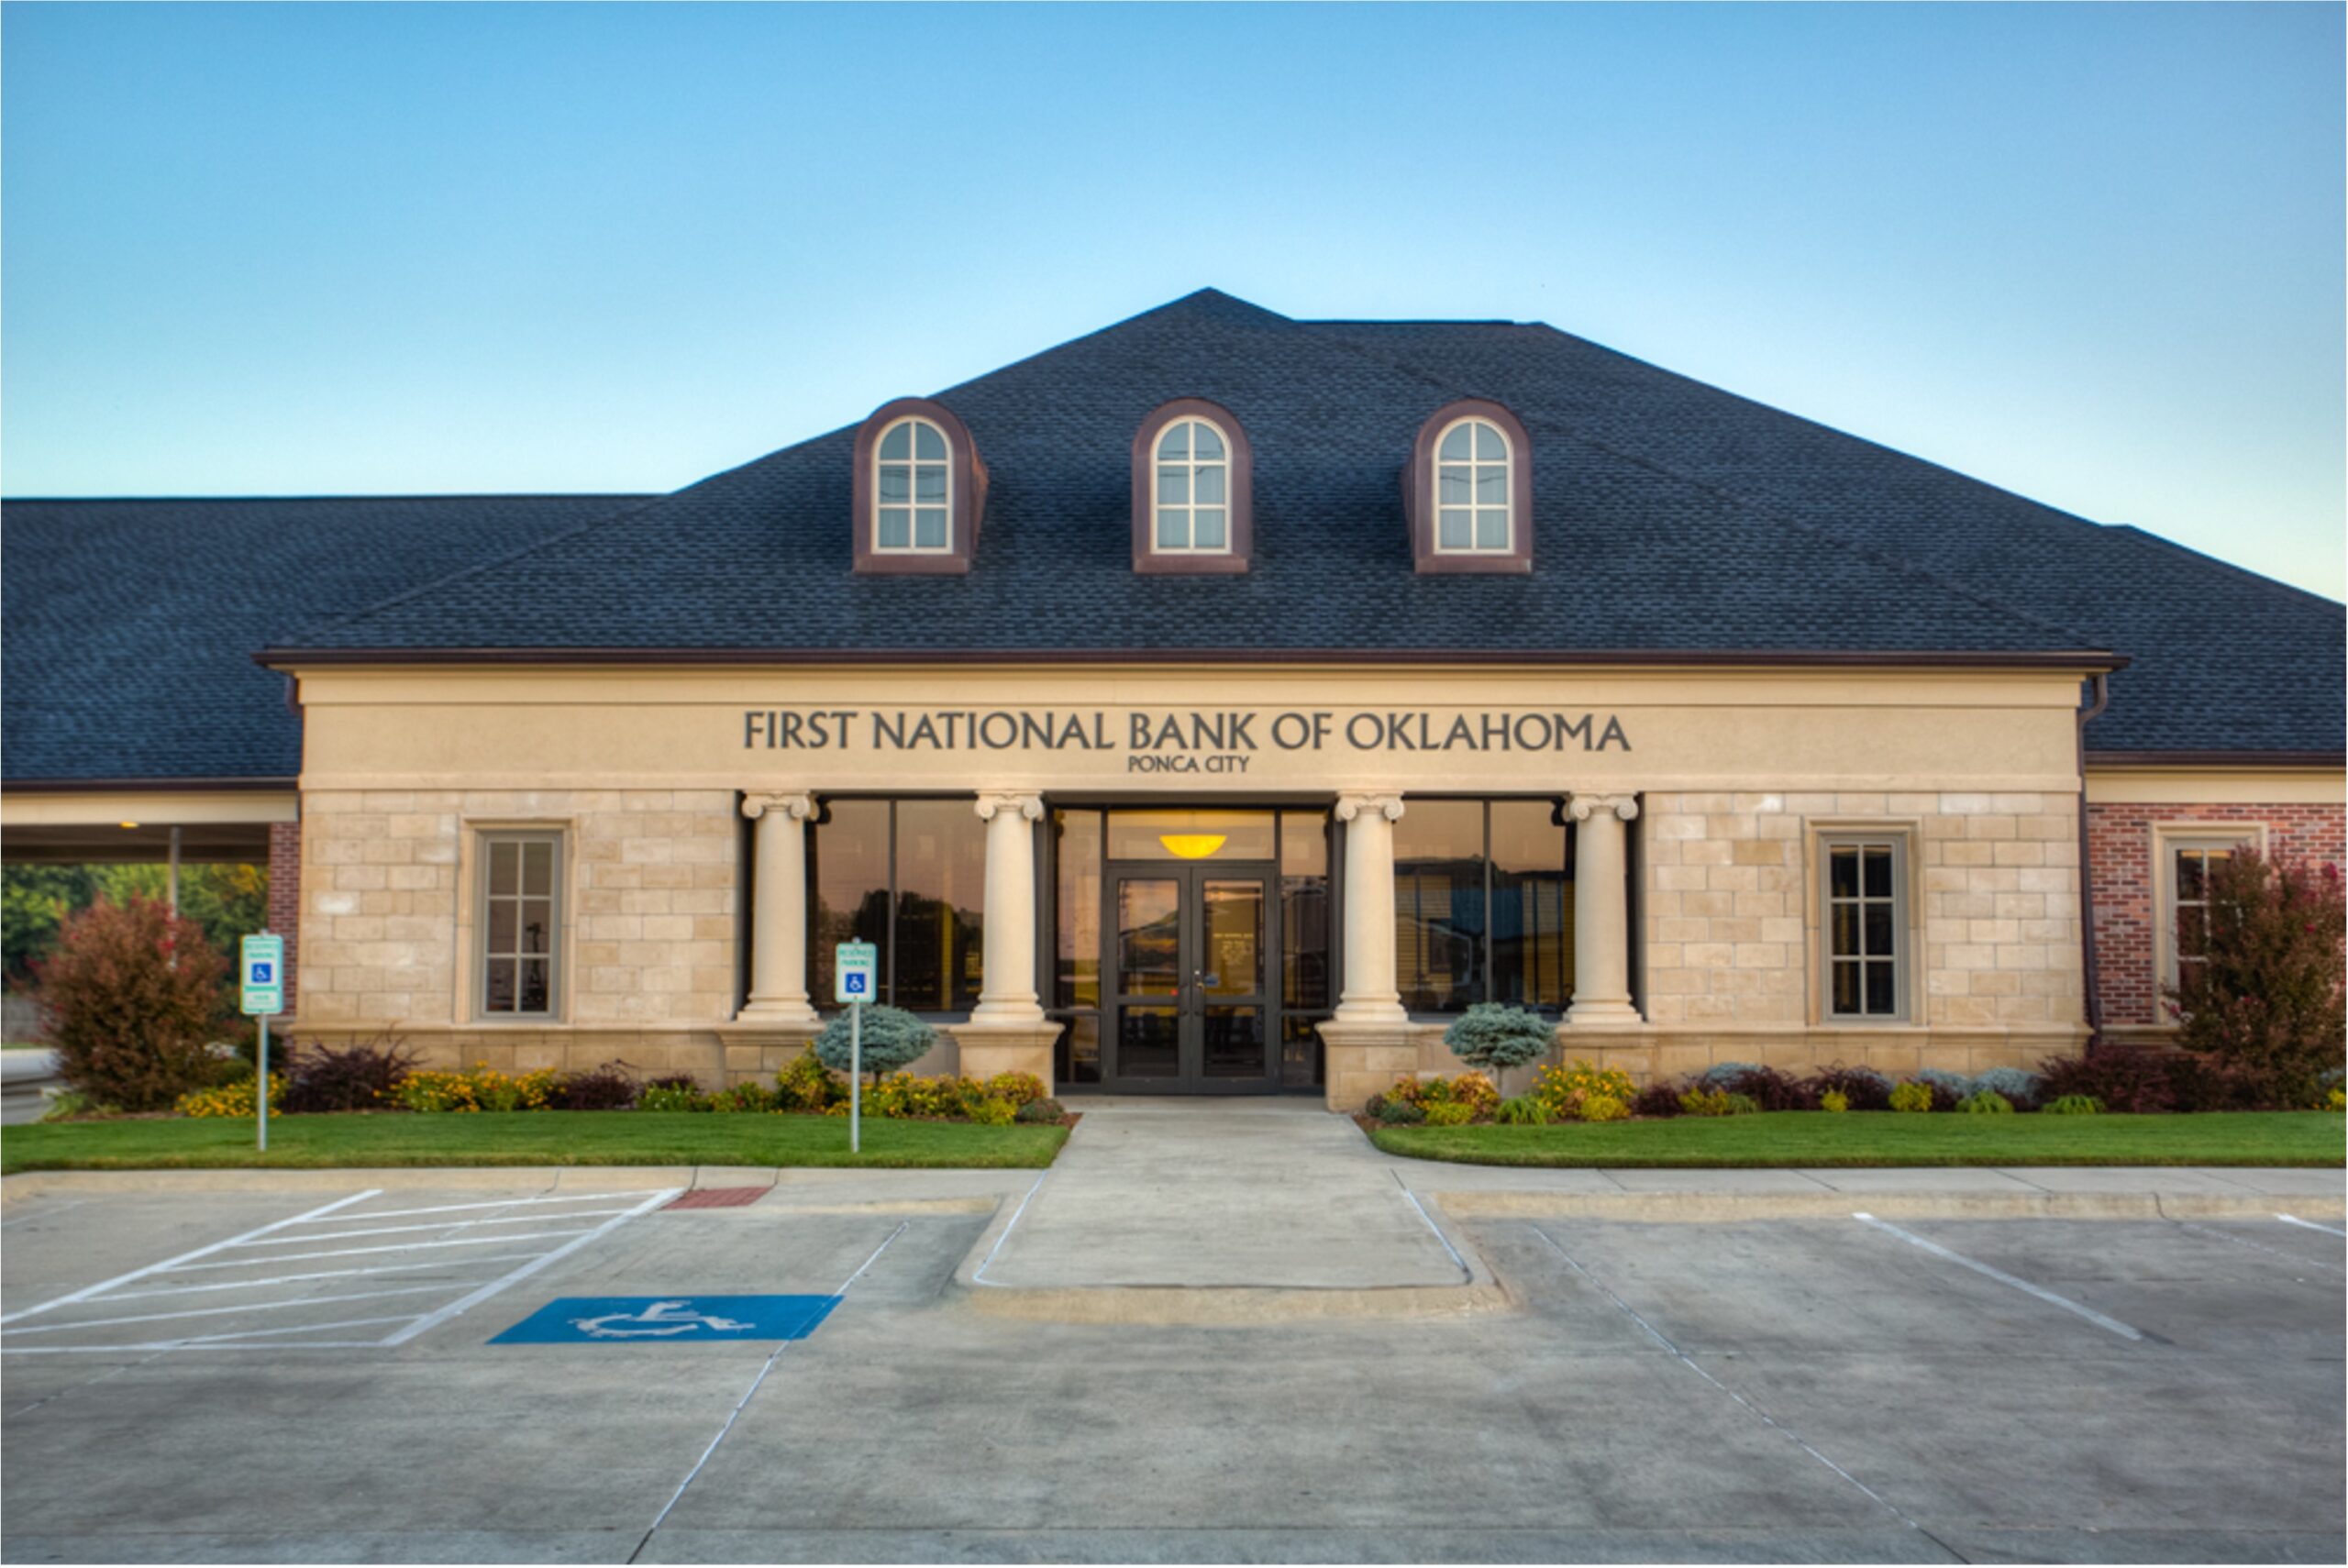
x: 1863, y: 883
x: 913, y: 490
x: 518, y: 923
x: 2186, y: 854
x: 1190, y: 490
x: 1471, y: 490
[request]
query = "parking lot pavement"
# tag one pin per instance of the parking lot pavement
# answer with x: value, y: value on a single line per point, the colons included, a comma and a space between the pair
x: 1812, y: 1389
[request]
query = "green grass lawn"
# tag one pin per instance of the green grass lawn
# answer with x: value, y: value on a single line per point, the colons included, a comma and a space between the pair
x: 1891, y: 1138
x: 520, y: 1138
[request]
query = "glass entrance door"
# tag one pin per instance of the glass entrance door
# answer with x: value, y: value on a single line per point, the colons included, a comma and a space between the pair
x: 1190, y: 979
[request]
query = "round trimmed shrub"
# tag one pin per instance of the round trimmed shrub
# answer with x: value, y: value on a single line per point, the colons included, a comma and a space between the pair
x: 1494, y: 1036
x: 894, y: 1038
x: 1912, y: 1097
x: 2072, y: 1105
x: 1834, y: 1101
x: 1603, y: 1108
x: 1986, y: 1102
x: 1044, y: 1110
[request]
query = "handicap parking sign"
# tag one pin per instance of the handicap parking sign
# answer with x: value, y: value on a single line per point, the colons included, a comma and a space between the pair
x: 669, y: 1320
x: 854, y: 967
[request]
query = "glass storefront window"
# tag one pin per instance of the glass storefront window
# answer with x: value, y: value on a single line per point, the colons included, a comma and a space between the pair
x: 1190, y: 836
x: 1483, y: 905
x: 908, y: 876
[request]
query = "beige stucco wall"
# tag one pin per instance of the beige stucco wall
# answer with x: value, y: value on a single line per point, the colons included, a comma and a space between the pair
x: 1736, y: 769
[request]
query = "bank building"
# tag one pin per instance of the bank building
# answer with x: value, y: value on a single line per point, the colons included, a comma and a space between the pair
x: 1216, y: 704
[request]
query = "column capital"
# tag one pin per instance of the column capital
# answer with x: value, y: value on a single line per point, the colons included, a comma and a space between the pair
x: 994, y: 802
x: 796, y: 807
x: 1388, y: 805
x: 1583, y: 807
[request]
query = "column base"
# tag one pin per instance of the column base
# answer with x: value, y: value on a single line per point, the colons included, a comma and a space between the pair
x: 760, y: 1045
x: 987, y: 1047
x: 1610, y: 1015
x: 1364, y: 1058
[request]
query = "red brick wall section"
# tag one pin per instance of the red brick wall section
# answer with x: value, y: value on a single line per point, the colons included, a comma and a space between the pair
x: 2119, y: 868
x: 285, y: 896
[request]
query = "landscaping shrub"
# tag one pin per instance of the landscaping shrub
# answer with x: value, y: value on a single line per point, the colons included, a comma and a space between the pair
x: 807, y: 1084
x: 2335, y: 1100
x: 1719, y: 1074
x: 356, y: 1077
x: 1471, y: 1090
x: 1525, y: 1111
x: 1495, y: 1036
x: 894, y: 1038
x: 1863, y: 1088
x: 1019, y: 1088
x: 1045, y: 1110
x: 2267, y: 999
x: 1765, y: 1086
x: 2072, y: 1105
x: 1912, y: 1097
x: 2020, y: 1090
x: 1834, y: 1101
x: 65, y: 1105
x: 1449, y: 1113
x: 1400, y: 1113
x: 944, y: 1098
x: 752, y: 1096
x: 1986, y: 1102
x: 1947, y: 1087
x: 678, y: 1092
x: 1659, y: 1098
x: 1606, y: 1107
x: 2203, y: 1082
x: 607, y: 1087
x: 993, y: 1111
x: 2128, y: 1081
x: 480, y: 1088
x: 1716, y: 1102
x: 235, y: 1099
x: 130, y: 1026
x: 1563, y: 1089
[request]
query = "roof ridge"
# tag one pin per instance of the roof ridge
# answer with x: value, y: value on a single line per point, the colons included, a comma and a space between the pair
x: 1869, y: 552
x: 2257, y: 579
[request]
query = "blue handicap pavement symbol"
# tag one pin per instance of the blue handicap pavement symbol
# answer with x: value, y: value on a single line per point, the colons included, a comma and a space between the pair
x: 668, y: 1320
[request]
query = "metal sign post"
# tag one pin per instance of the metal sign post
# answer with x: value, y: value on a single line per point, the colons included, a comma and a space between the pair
x: 261, y: 975
x: 855, y: 966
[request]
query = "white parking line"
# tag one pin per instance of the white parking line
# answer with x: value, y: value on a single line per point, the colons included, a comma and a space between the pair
x: 499, y: 1203
x: 318, y: 1274
x: 2110, y: 1325
x: 167, y: 1264
x: 2309, y: 1224
x: 227, y: 1341
x: 441, y: 1225
x: 243, y: 1306
x: 401, y: 1247
x: 457, y: 1309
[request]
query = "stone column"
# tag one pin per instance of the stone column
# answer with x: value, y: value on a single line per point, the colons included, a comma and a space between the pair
x: 1601, y: 915
x: 1369, y: 996
x: 1368, y: 1041
x: 1008, y: 1032
x: 779, y: 951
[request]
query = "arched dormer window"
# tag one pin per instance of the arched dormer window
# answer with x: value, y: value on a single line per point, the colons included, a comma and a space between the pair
x: 919, y: 492
x: 1193, y: 475
x: 1468, y: 491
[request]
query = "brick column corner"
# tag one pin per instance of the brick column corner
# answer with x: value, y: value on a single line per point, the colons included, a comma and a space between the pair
x: 285, y: 899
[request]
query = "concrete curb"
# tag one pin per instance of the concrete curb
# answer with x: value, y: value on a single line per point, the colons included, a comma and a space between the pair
x: 1712, y: 1208
x: 391, y: 1178
x: 1215, y: 1305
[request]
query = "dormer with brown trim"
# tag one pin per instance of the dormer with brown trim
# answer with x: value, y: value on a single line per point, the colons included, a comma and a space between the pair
x: 1468, y: 491
x: 920, y: 490
x: 1193, y: 490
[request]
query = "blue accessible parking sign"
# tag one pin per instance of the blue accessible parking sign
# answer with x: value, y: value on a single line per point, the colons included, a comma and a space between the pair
x: 669, y: 1320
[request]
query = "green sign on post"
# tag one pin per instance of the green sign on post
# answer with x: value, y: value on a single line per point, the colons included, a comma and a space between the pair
x: 261, y: 989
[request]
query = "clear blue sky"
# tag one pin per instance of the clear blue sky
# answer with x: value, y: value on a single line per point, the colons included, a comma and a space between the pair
x: 2093, y: 253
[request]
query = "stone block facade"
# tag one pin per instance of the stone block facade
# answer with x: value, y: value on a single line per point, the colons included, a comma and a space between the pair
x: 647, y: 936
x: 2124, y: 882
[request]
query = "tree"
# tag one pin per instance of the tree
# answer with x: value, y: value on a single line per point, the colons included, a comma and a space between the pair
x: 2266, y: 1000
x: 892, y: 1038
x: 1494, y: 1036
x: 131, y: 1001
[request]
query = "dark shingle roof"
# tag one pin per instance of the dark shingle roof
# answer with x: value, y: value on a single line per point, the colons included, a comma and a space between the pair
x: 2221, y: 659
x: 1628, y: 555
x: 130, y: 625
x: 1670, y: 517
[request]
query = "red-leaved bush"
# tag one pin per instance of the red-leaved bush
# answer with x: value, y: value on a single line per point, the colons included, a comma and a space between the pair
x: 2266, y: 1001
x: 131, y: 1025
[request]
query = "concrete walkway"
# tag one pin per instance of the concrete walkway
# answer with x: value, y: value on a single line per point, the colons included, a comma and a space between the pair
x: 1250, y: 1194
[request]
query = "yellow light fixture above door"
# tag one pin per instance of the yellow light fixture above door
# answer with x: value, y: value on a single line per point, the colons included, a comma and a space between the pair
x: 1193, y: 845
